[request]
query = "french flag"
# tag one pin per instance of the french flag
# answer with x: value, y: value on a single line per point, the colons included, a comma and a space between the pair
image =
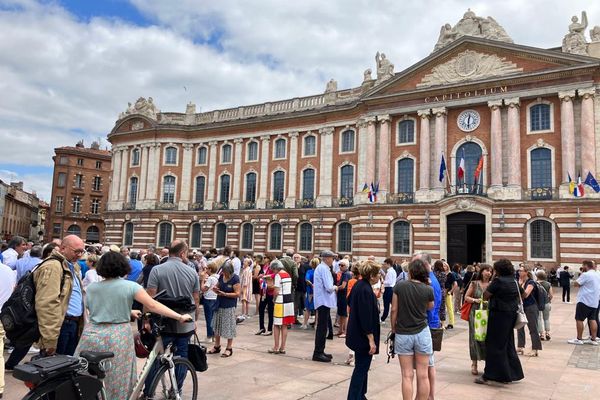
x: 461, y: 168
x: 578, y: 190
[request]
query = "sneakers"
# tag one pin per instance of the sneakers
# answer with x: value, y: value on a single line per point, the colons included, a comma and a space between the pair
x: 591, y: 342
x: 575, y: 341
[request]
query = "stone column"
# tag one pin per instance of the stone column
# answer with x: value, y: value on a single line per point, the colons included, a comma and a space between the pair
x: 371, y: 149
x: 384, y: 158
x: 513, y: 189
x: 124, y: 166
x: 143, y: 176
x: 439, y: 148
x: 212, y: 175
x: 326, y: 167
x: 186, y: 176
x: 567, y: 132
x: 237, y: 174
x: 424, y: 156
x: 155, y: 189
x: 588, y: 139
x: 496, y: 147
x: 264, y: 173
x: 361, y: 173
x: 116, y: 173
x: 150, y: 185
x: 290, y: 200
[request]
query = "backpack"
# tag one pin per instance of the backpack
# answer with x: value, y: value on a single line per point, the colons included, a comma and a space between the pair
x: 18, y: 312
x: 459, y: 280
x: 541, y: 296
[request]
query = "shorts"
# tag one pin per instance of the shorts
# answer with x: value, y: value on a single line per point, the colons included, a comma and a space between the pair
x: 408, y: 345
x: 583, y: 312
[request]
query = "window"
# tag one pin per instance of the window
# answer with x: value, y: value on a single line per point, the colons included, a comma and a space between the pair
x: 196, y: 235
x: 135, y: 157
x: 310, y: 146
x: 541, y: 239
x: 278, y: 185
x: 80, y: 162
x: 345, y: 238
x: 97, y: 182
x: 95, y: 209
x: 200, y: 184
x: 165, y: 234
x: 226, y: 154
x: 60, y: 203
x: 252, y: 151
x: 275, y: 236
x: 221, y: 235
x: 61, y: 180
x: 539, y: 117
x: 541, y: 168
x: 471, y: 153
x: 251, y: 187
x: 401, y: 238
x: 406, y: 131
x: 247, y: 233
x: 171, y: 155
x: 63, y: 160
x: 347, y: 141
x: 169, y: 189
x: 76, y: 204
x: 133, y: 188
x: 202, y: 155
x: 92, y: 235
x: 305, y: 237
x: 347, y: 182
x: 56, y: 229
x: 280, y: 148
x: 74, y: 230
x: 78, y: 181
x: 98, y: 164
x: 405, y: 175
x: 128, y: 234
x: 308, y: 184
x: 224, y: 193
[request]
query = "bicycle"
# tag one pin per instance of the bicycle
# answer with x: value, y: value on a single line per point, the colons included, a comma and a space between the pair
x: 81, y: 378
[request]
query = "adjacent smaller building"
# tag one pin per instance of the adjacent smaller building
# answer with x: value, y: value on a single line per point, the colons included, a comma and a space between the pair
x: 18, y: 212
x: 79, y: 192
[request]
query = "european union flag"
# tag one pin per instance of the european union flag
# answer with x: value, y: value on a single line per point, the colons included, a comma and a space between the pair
x: 442, y: 168
x: 592, y: 182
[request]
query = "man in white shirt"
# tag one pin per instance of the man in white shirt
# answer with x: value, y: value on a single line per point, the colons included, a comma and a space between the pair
x: 388, y: 285
x: 8, y: 280
x: 235, y: 260
x: 16, y: 247
x: 325, y: 299
x: 587, y: 303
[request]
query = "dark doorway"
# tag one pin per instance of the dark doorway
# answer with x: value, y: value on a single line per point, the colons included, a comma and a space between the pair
x: 466, y: 237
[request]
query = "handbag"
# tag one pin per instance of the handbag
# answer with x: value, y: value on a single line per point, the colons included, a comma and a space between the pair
x: 521, y: 320
x: 480, y: 323
x: 197, y: 354
x: 465, y: 310
x: 437, y: 334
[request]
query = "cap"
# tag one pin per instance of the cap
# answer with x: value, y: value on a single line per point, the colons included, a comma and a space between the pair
x: 328, y: 253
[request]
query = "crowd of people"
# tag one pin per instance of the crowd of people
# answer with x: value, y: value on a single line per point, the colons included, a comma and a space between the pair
x: 87, y: 297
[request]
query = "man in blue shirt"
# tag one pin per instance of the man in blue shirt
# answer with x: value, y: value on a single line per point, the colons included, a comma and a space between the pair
x: 26, y: 264
x: 325, y: 299
x: 136, y: 266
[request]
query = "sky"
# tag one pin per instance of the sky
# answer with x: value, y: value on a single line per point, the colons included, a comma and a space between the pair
x: 68, y: 67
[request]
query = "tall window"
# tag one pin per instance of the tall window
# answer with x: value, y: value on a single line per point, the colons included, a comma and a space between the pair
x: 541, y: 168
x: 251, y: 187
x: 401, y: 238
x: 200, y: 184
x: 135, y: 157
x: 247, y: 236
x: 252, y: 151
x: 60, y: 204
x: 202, y: 155
x: 80, y: 162
x: 61, y: 180
x: 95, y: 208
x: 347, y: 182
x: 63, y: 160
x: 305, y: 237
x: 96, y: 183
x: 278, y: 185
x: 539, y: 117
x: 310, y: 145
x: 344, y: 237
x: 74, y: 230
x: 275, y: 236
x: 128, y: 234
x: 347, y: 141
x: 76, y: 204
x: 226, y: 154
x: 165, y: 234
x: 541, y: 239
x: 471, y: 152
x: 133, y: 189
x: 169, y: 189
x: 406, y: 131
x: 224, y: 193
x: 221, y: 235
x: 56, y: 229
x: 98, y: 164
x: 280, y: 148
x: 308, y: 184
x: 196, y: 235
x: 92, y: 235
x: 171, y: 155
x: 78, y: 181
x: 405, y: 175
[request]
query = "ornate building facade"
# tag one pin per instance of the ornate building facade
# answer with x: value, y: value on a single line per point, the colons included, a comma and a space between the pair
x: 511, y: 122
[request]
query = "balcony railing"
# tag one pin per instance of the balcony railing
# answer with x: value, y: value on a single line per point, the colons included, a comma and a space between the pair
x: 246, y: 205
x: 275, y: 204
x: 129, y: 206
x: 305, y: 203
x: 196, y: 206
x: 343, y: 202
x: 541, y: 193
x: 165, y: 206
x: 401, y: 198
x: 221, y: 205
x: 468, y: 190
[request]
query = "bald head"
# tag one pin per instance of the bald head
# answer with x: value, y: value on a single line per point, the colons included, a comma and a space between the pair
x: 72, y: 247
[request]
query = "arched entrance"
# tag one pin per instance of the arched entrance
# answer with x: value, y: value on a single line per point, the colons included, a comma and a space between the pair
x: 466, y: 242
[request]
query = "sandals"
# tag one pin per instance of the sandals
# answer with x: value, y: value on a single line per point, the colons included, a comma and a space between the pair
x: 520, y: 350
x: 273, y: 351
x: 482, y: 381
x: 260, y: 332
x: 227, y: 353
x: 532, y: 354
x: 215, y: 350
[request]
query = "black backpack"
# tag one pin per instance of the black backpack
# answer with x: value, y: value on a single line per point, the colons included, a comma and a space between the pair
x: 18, y: 312
x: 541, y: 296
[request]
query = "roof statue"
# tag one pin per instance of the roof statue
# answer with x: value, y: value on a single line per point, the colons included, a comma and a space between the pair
x: 595, y: 34
x: 331, y: 86
x: 385, y: 69
x: 574, y: 42
x: 472, y: 25
x: 143, y: 107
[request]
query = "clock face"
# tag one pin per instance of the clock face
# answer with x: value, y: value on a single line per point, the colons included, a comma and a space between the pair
x: 468, y: 120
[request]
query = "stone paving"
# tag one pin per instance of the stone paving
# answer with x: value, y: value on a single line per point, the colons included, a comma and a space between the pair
x: 562, y: 371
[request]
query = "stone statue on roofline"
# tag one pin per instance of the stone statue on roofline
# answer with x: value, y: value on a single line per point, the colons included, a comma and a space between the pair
x: 385, y: 69
x: 595, y: 34
x: 331, y: 86
x: 142, y: 107
x: 574, y: 42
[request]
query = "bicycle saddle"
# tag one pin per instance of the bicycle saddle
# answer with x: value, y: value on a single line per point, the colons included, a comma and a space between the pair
x: 95, y: 357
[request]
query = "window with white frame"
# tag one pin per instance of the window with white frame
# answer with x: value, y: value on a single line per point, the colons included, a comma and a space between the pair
x: 252, y: 151
x: 60, y: 204
x: 61, y: 179
x: 200, y: 184
x: 171, y: 155
x: 541, y: 168
x: 251, y: 187
x: 74, y: 230
x: 133, y: 189
x: 128, y: 234
x: 310, y: 146
x: 275, y: 236
x: 95, y: 207
x: 306, y: 236
x: 169, y: 189
x: 165, y: 234
x: 97, y: 183
x: 135, y: 157
x: 344, y: 237
x: 226, y: 154
x: 347, y: 141
x: 406, y: 167
x: 79, y: 181
x: 347, y: 182
x: 76, y: 204
x: 196, y: 235
x: 247, y: 236
x: 280, y: 148
x: 401, y: 237
x: 278, y: 185
x: 308, y: 184
x: 224, y: 191
x: 221, y: 235
x: 406, y: 131
x: 202, y: 152
x: 539, y: 117
x: 540, y: 232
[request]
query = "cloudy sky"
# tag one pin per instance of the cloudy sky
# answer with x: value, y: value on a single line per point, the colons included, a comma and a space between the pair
x: 68, y: 67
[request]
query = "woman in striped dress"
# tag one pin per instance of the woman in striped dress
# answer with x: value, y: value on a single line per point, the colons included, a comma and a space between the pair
x: 284, y: 306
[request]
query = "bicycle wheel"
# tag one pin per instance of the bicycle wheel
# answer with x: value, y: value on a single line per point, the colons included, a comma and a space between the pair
x: 187, y: 382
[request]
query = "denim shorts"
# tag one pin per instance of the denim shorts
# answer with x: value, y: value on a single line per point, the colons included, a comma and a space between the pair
x: 407, y: 345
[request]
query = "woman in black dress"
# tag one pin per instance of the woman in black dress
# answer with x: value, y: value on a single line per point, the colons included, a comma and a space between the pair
x: 501, y: 361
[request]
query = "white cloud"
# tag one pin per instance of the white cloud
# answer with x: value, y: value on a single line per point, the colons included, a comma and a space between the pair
x: 40, y: 183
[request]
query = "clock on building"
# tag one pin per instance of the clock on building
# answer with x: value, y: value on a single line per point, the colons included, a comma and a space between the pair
x: 468, y: 120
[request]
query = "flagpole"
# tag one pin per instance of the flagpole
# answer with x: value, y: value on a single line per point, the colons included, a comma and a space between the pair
x: 447, y: 186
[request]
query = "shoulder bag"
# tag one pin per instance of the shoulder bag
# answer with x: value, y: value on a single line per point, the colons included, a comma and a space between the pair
x: 521, y: 320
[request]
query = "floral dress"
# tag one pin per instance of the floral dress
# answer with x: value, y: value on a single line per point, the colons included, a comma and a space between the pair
x: 476, y: 348
x: 246, y: 283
